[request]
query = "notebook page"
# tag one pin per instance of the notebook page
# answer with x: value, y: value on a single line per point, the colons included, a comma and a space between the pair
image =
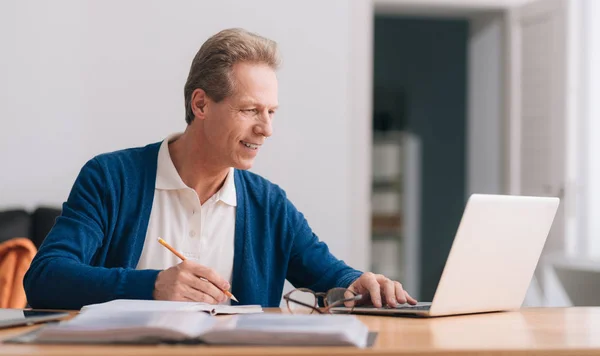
x: 285, y: 329
x: 147, y: 305
x: 237, y: 309
x: 114, y: 326
x: 163, y: 305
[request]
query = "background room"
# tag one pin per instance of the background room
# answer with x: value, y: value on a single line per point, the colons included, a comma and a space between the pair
x: 391, y: 114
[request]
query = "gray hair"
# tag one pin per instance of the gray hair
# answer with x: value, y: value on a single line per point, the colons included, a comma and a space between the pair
x: 212, y: 66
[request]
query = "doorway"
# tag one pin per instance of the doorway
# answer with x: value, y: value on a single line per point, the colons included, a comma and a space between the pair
x: 420, y: 110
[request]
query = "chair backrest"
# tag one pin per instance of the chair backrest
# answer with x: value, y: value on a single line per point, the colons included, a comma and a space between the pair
x: 14, y: 223
x: 16, y: 255
x: 42, y: 221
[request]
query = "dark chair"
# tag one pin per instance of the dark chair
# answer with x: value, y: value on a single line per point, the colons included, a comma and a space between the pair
x: 20, y: 223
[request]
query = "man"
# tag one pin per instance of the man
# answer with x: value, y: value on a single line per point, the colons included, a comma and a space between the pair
x: 236, y: 229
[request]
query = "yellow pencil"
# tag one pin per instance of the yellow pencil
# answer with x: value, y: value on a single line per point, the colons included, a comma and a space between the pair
x: 181, y: 257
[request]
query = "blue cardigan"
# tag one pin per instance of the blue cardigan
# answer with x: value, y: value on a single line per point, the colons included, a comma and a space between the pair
x: 91, y: 253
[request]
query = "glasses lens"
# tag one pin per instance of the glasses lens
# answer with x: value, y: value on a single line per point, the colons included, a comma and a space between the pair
x: 300, y: 302
x: 341, y: 297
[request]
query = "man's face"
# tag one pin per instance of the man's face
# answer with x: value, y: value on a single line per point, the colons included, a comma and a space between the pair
x: 237, y: 126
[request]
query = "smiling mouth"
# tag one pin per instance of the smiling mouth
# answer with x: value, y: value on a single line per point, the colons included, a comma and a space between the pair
x: 250, y: 145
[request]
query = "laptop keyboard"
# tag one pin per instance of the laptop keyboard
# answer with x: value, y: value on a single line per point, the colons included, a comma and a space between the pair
x: 400, y: 307
x: 411, y: 307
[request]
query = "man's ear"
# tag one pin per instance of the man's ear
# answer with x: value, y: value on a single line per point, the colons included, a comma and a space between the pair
x: 199, y: 100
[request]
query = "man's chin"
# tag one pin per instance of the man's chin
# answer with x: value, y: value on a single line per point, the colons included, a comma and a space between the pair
x: 244, y: 166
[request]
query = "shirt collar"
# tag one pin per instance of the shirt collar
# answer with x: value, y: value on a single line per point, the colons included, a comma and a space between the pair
x: 166, y: 174
x: 167, y: 177
x: 227, y: 192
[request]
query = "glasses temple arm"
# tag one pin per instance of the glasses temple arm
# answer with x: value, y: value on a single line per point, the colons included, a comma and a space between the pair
x: 303, y: 304
x: 341, y: 301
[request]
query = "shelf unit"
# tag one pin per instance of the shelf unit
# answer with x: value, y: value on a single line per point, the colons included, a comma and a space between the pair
x: 395, y: 207
x: 386, y: 203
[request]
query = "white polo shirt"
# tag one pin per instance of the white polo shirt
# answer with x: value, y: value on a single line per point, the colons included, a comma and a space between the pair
x: 203, y: 233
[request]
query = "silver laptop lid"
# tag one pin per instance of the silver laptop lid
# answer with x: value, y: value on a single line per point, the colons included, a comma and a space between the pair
x: 494, y: 254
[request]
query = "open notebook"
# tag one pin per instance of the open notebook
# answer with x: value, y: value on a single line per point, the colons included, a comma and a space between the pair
x: 162, y: 326
x: 122, y: 305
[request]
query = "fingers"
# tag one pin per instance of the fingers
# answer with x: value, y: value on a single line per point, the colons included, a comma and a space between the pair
x: 190, y: 281
x: 199, y: 296
x: 202, y: 291
x: 388, y: 289
x: 400, y: 293
x: 380, y: 289
x: 410, y: 299
x: 350, y: 298
x: 188, y: 294
x: 392, y: 291
x: 371, y: 284
x: 205, y: 272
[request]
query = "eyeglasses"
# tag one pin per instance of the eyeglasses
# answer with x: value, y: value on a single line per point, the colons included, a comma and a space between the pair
x: 305, y: 301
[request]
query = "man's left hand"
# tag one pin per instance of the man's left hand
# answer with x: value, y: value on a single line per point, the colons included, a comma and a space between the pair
x: 378, y: 288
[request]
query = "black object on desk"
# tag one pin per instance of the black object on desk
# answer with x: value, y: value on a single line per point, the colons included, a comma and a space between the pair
x: 19, y: 317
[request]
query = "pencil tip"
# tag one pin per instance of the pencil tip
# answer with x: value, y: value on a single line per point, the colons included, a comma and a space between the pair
x: 234, y: 298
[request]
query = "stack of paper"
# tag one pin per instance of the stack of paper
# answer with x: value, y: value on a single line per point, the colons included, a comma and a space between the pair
x: 159, y: 326
x: 126, y: 305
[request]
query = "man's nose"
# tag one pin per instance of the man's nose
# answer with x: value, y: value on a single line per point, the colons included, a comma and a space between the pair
x: 264, y: 127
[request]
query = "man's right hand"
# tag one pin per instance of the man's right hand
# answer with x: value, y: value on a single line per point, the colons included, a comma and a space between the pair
x: 183, y: 283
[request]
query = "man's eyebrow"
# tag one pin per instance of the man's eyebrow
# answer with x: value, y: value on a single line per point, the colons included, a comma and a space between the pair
x: 252, y: 102
x: 248, y: 101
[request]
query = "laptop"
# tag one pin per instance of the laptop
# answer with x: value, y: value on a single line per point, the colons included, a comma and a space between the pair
x: 492, y: 259
x: 21, y: 317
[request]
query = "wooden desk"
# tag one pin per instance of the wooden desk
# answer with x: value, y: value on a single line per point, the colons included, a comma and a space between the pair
x: 543, y: 331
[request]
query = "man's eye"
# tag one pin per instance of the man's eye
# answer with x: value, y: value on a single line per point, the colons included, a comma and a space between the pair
x: 255, y: 111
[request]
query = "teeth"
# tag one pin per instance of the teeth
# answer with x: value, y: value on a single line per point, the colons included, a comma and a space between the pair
x: 250, y: 145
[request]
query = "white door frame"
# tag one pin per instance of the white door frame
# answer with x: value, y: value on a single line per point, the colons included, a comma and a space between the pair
x: 361, y: 36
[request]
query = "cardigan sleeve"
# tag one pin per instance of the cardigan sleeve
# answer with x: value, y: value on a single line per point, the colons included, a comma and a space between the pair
x: 61, y: 275
x: 311, y: 264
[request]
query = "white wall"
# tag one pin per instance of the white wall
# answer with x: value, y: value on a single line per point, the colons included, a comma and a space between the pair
x: 444, y: 8
x: 485, y: 126
x: 360, y: 130
x: 590, y: 163
x: 83, y: 77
